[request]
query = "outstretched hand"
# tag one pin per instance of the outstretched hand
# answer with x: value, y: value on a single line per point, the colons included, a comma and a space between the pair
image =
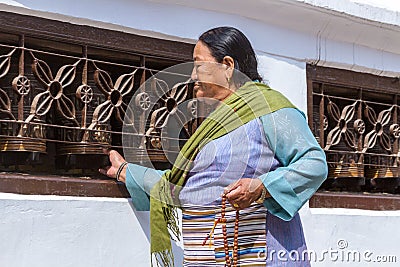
x: 242, y: 193
x: 116, y: 160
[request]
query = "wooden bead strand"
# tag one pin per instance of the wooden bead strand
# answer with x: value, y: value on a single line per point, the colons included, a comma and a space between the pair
x: 224, y: 232
x: 228, y: 261
x: 235, y: 240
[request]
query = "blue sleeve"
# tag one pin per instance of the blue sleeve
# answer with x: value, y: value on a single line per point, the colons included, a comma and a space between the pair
x: 139, y: 181
x: 303, y: 163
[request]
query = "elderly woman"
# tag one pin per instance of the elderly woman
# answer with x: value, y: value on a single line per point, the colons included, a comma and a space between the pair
x: 243, y: 175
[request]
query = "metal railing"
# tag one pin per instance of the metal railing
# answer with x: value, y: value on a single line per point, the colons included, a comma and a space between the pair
x: 59, y: 110
x: 358, y: 127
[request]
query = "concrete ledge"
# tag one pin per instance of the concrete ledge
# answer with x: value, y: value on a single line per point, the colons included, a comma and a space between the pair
x: 365, y: 201
x: 61, y: 185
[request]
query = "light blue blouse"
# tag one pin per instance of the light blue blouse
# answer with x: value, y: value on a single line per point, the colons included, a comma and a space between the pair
x: 296, y: 171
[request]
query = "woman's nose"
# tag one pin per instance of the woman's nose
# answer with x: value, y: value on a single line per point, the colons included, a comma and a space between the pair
x: 193, y: 76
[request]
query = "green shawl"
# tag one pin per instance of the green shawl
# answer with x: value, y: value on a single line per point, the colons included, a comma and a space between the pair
x: 250, y: 101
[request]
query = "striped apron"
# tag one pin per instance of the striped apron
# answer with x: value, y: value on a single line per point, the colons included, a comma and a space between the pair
x: 198, y: 223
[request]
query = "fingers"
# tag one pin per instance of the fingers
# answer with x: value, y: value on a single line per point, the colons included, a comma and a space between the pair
x: 239, y: 202
x: 235, y: 196
x: 113, y: 154
x: 106, y: 150
x: 105, y: 170
x: 242, y: 193
x: 115, y: 158
x: 231, y: 187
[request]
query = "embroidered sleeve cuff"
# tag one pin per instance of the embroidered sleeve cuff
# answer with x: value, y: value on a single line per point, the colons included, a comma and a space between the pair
x: 134, y: 184
x: 283, y: 202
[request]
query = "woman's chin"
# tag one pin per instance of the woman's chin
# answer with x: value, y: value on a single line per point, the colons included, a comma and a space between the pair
x: 199, y: 94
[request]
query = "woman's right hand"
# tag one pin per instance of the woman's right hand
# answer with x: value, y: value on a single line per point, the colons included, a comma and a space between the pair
x: 116, y: 161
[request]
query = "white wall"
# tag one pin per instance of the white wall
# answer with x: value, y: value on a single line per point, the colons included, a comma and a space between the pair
x: 73, y: 231
x: 41, y: 231
x: 386, y: 4
x: 369, y: 234
x: 67, y: 231
x: 306, y: 33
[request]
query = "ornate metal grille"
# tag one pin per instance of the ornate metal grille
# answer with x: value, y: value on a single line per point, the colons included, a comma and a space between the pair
x: 355, y: 118
x: 61, y: 103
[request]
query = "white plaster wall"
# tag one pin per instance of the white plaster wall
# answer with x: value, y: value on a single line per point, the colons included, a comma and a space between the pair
x: 370, y: 234
x: 380, y: 10
x: 11, y: 2
x: 324, y: 43
x: 286, y: 75
x: 386, y: 4
x: 41, y: 231
x: 66, y: 231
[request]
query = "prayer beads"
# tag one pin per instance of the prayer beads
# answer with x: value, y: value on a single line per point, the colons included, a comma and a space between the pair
x: 228, y: 259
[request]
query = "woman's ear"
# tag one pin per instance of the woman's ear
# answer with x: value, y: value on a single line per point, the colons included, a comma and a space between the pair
x: 228, y: 61
x: 230, y: 66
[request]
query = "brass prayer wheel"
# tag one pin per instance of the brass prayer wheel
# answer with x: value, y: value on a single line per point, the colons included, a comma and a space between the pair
x: 61, y: 104
x: 19, y: 131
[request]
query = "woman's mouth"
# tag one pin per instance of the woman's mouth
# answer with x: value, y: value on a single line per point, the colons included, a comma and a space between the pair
x: 196, y: 87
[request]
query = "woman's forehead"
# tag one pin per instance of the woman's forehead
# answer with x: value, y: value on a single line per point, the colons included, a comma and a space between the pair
x: 201, y: 52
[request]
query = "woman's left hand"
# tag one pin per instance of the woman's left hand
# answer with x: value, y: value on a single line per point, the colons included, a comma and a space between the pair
x: 242, y: 193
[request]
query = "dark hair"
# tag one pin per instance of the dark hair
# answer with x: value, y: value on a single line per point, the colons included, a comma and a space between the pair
x: 229, y: 41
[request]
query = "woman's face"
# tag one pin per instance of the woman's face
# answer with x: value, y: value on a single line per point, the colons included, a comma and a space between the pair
x: 210, y: 77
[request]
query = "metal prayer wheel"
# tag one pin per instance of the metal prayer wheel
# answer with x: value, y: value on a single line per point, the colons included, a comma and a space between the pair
x: 338, y: 133
x: 29, y: 142
x: 383, y: 173
x: 165, y: 114
x: 85, y: 136
x: 19, y: 131
x: 39, y: 107
x: 61, y: 110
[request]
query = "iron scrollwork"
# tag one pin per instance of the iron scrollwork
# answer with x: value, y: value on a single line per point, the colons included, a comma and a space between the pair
x: 72, y: 107
x: 360, y: 135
